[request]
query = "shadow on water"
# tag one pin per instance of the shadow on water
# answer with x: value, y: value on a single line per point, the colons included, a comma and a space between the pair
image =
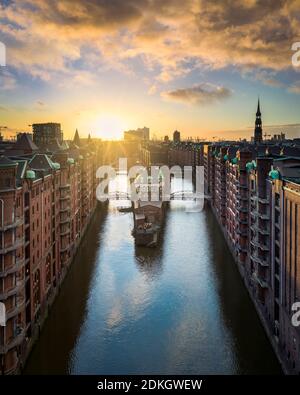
x: 63, y: 324
x: 237, y: 310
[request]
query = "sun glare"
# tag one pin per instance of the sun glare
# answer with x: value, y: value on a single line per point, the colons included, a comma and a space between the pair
x: 109, y: 127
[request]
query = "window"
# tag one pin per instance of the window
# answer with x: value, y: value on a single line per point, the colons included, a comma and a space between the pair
x: 277, y: 199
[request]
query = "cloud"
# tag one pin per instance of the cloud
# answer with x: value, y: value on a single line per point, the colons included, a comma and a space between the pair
x: 202, y: 94
x: 295, y: 88
x: 173, y: 37
x: 7, y: 81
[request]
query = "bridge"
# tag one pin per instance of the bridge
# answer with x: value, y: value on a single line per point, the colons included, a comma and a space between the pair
x: 176, y: 195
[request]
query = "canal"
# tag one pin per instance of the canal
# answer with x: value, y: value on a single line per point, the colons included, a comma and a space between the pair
x: 180, y: 308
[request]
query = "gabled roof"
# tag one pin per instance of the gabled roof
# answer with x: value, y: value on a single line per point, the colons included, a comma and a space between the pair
x: 6, y: 162
x: 24, y: 143
x: 41, y: 162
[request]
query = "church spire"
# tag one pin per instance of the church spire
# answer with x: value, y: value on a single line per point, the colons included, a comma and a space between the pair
x: 258, y: 134
x: 76, y: 139
x: 258, y: 113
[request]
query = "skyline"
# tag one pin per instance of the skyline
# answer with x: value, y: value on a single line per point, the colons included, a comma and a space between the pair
x: 108, y: 67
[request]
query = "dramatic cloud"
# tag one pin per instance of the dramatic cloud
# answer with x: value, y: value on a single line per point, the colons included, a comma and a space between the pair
x: 172, y: 37
x: 202, y: 94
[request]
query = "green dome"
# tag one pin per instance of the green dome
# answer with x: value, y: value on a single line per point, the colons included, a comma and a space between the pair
x: 70, y: 161
x: 250, y: 166
x: 225, y: 157
x: 234, y: 161
x: 30, y: 174
x: 56, y: 166
x: 274, y: 174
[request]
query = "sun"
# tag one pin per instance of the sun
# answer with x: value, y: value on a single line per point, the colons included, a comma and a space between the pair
x: 109, y: 127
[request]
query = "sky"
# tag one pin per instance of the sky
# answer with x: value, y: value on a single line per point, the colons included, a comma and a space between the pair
x: 105, y: 66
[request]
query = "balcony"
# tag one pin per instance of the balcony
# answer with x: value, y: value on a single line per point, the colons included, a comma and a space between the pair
x: 66, y: 186
x: 260, y: 245
x: 15, y: 341
x: 65, y: 249
x: 242, y: 248
x: 242, y: 209
x: 264, y: 216
x: 20, y: 262
x: 20, y: 305
x: 64, y: 197
x: 6, y: 226
x: 242, y: 197
x: 242, y: 186
x: 261, y: 261
x: 65, y: 232
x: 18, y: 243
x: 263, y: 200
x: 261, y: 282
x: 262, y: 231
x: 19, y: 286
x: 242, y: 232
x: 65, y: 209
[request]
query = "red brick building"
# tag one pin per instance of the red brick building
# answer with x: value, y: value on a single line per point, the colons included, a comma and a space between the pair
x: 47, y: 201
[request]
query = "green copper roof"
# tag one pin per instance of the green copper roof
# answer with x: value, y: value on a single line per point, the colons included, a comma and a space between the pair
x: 274, y: 174
x: 55, y: 165
x: 70, y: 161
x: 30, y: 174
x: 251, y: 165
x: 234, y: 161
x: 225, y: 157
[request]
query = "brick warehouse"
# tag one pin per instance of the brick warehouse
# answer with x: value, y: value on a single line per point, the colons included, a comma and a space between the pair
x: 253, y: 188
x: 47, y: 197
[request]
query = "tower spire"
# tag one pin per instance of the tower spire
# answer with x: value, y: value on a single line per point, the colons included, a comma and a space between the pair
x: 76, y: 139
x: 258, y: 113
x: 258, y: 134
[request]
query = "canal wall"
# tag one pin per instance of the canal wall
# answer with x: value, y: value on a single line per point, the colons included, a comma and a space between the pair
x: 46, y: 307
x: 263, y: 320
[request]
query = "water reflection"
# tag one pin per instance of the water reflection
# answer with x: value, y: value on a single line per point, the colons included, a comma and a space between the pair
x: 53, y: 351
x: 178, y: 308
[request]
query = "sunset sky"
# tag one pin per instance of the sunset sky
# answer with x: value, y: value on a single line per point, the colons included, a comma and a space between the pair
x: 104, y: 66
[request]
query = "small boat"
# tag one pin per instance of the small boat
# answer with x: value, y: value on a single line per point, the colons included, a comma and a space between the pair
x: 126, y: 209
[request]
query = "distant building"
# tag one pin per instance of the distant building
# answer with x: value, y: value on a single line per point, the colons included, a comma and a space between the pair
x: 47, y: 133
x: 138, y: 134
x: 23, y: 146
x: 258, y: 134
x: 176, y: 136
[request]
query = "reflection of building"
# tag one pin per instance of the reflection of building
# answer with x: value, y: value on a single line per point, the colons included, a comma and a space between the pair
x: 46, y: 204
x: 138, y: 134
x: 46, y: 133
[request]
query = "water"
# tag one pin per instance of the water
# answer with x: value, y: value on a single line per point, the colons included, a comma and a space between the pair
x: 180, y: 308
